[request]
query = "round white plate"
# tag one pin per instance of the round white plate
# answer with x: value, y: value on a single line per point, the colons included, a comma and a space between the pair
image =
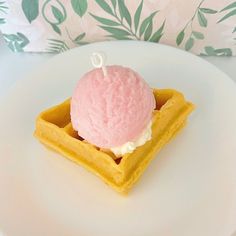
x: 189, y: 189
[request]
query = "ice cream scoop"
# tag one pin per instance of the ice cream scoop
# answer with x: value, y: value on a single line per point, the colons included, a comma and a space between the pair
x: 111, y: 109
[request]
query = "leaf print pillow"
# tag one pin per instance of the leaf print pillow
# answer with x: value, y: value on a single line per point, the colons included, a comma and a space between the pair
x: 204, y: 27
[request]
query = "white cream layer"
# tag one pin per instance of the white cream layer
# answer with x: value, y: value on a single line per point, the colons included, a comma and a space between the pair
x: 129, y: 147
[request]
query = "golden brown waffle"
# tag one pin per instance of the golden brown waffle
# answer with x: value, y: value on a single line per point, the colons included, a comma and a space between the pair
x: 54, y: 129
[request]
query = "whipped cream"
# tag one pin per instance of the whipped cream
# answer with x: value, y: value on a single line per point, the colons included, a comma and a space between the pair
x: 130, y: 146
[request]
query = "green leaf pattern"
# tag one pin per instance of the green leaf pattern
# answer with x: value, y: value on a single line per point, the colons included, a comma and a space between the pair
x: 3, y: 7
x: 116, y: 20
x: 230, y: 6
x: 3, y: 10
x: 137, y: 15
x: 198, y: 35
x: 16, y: 42
x: 123, y: 26
x: 124, y: 12
x: 202, y: 19
x: 79, y: 6
x: 180, y: 37
x: 231, y: 9
x: 30, y: 9
x: 113, y: 3
x: 58, y: 11
x: 105, y: 21
x: 146, y: 22
x: 188, y: 32
x: 116, y: 31
x: 189, y: 44
x: 208, y: 11
x: 210, y: 51
x: 57, y: 14
x: 56, y: 46
x: 105, y: 6
x: 158, y: 34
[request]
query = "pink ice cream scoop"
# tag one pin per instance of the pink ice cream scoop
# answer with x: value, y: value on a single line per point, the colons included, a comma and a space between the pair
x: 111, y: 110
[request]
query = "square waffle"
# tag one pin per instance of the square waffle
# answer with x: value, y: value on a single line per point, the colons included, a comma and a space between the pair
x: 54, y: 129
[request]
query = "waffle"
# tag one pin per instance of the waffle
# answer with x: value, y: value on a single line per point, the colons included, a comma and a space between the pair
x: 54, y: 129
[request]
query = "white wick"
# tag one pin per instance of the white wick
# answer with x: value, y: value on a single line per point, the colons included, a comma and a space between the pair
x: 98, y: 61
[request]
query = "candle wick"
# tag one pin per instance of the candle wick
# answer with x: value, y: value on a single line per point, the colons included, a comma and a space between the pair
x: 104, y: 70
x: 98, y: 61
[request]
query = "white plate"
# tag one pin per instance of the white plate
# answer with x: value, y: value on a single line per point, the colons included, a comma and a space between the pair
x: 189, y: 189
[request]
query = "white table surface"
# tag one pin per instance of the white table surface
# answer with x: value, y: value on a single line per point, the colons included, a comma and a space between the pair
x: 15, y: 66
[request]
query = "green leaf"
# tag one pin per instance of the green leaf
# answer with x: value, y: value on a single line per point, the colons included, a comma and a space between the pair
x: 57, y: 46
x: 198, y: 35
x: 56, y: 41
x: 157, y: 39
x: 210, y: 51
x: 81, y: 43
x: 2, y: 7
x: 79, y: 6
x: 105, y: 6
x: 18, y: 47
x: 116, y: 31
x: 22, y: 36
x: 224, y: 52
x: 10, y: 37
x: 57, y: 14
x: 16, y: 41
x: 11, y: 46
x: 189, y: 44
x: 145, y: 23
x: 202, y: 19
x: 137, y: 16
x: 234, y: 30
x: 2, y: 21
x: 79, y: 38
x: 124, y: 12
x: 2, y: 4
x: 24, y: 43
x: 180, y: 37
x: 232, y: 13
x: 25, y: 40
x: 208, y: 10
x: 56, y: 28
x: 105, y: 21
x: 54, y: 47
x: 158, y: 34
x: 148, y: 31
x: 232, y: 5
x: 30, y: 9
x: 113, y: 3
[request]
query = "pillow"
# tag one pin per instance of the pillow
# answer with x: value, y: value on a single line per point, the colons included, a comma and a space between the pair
x: 204, y: 27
